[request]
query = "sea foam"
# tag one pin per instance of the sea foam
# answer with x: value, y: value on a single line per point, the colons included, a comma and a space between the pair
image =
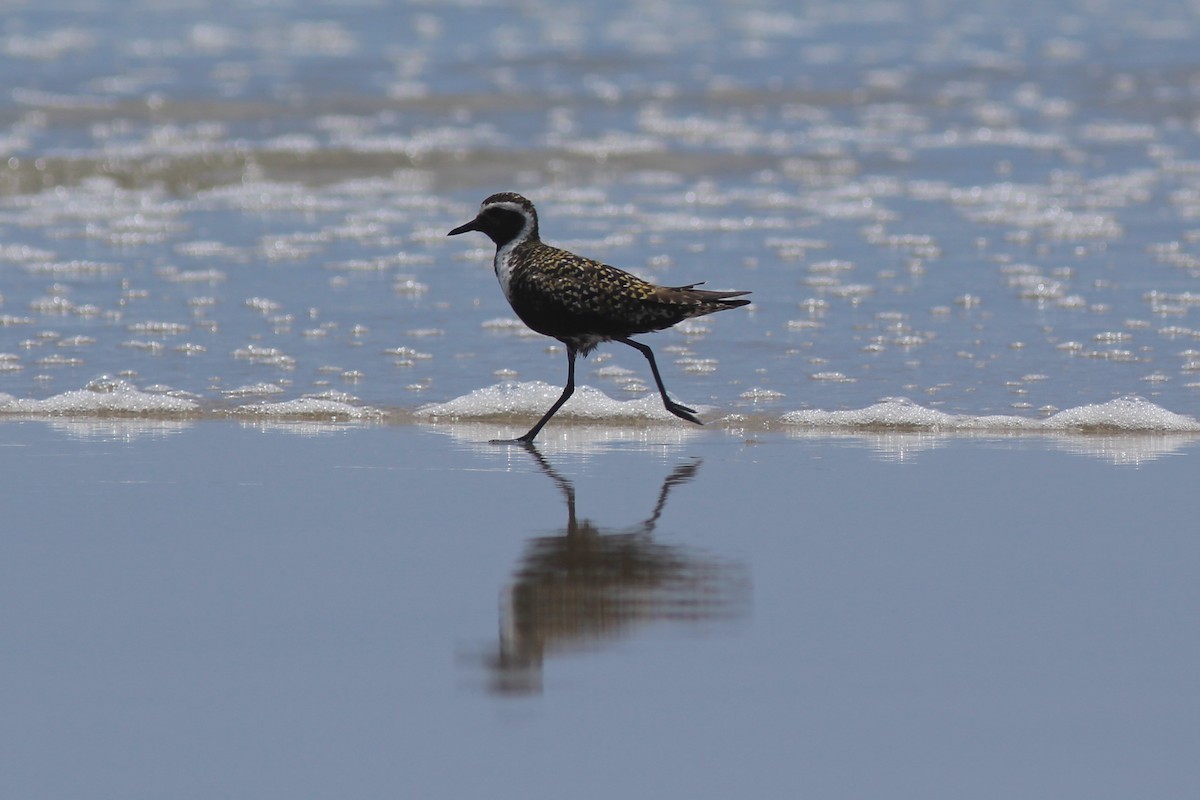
x: 533, y: 398
x: 1123, y: 415
x: 101, y: 397
x: 108, y: 397
x: 307, y: 408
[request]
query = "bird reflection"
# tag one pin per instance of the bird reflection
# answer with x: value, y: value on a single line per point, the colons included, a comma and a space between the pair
x: 585, y: 584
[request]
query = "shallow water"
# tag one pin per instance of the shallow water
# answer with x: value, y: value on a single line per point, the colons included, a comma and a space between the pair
x: 985, y: 211
x: 219, y: 609
x: 934, y: 539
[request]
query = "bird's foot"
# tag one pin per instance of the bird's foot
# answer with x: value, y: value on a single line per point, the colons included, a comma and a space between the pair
x: 525, y: 440
x: 683, y: 412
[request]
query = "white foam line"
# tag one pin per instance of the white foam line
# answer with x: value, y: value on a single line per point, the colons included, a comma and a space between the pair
x: 307, y: 408
x: 1124, y: 415
x: 106, y: 397
x: 532, y: 398
x: 109, y: 397
x: 101, y: 397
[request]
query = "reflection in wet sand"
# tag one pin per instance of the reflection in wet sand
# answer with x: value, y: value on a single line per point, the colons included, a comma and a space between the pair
x: 1118, y: 449
x: 117, y: 428
x: 585, y: 584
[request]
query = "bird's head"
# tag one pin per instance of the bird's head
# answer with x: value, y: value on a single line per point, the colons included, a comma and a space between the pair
x: 506, y: 218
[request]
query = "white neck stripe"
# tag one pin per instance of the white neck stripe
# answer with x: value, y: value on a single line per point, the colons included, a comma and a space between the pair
x: 503, y: 262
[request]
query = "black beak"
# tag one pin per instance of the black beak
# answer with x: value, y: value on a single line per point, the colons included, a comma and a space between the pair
x: 473, y: 225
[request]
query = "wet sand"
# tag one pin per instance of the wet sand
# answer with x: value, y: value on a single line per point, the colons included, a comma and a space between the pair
x: 201, y: 609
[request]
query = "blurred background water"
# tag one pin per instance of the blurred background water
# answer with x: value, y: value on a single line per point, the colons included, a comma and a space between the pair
x: 983, y: 207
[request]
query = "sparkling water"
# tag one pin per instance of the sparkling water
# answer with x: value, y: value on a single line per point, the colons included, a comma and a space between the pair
x: 980, y: 211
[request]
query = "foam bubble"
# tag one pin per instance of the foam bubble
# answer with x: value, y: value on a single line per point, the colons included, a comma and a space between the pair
x: 1124, y: 415
x: 1132, y: 414
x: 101, y: 397
x: 533, y: 398
x: 254, y: 389
x: 308, y: 408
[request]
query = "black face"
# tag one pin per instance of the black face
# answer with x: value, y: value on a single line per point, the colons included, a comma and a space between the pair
x: 502, y: 225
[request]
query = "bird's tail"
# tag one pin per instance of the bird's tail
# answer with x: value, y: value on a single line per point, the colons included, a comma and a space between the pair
x: 707, y: 299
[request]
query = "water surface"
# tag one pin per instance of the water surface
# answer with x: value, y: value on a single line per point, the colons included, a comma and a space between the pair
x: 984, y: 210
x: 218, y: 609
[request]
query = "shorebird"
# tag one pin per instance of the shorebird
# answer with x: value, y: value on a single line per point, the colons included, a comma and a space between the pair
x: 579, y: 301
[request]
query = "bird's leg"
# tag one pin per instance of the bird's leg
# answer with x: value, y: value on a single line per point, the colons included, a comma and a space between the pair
x: 567, y: 391
x: 678, y: 409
